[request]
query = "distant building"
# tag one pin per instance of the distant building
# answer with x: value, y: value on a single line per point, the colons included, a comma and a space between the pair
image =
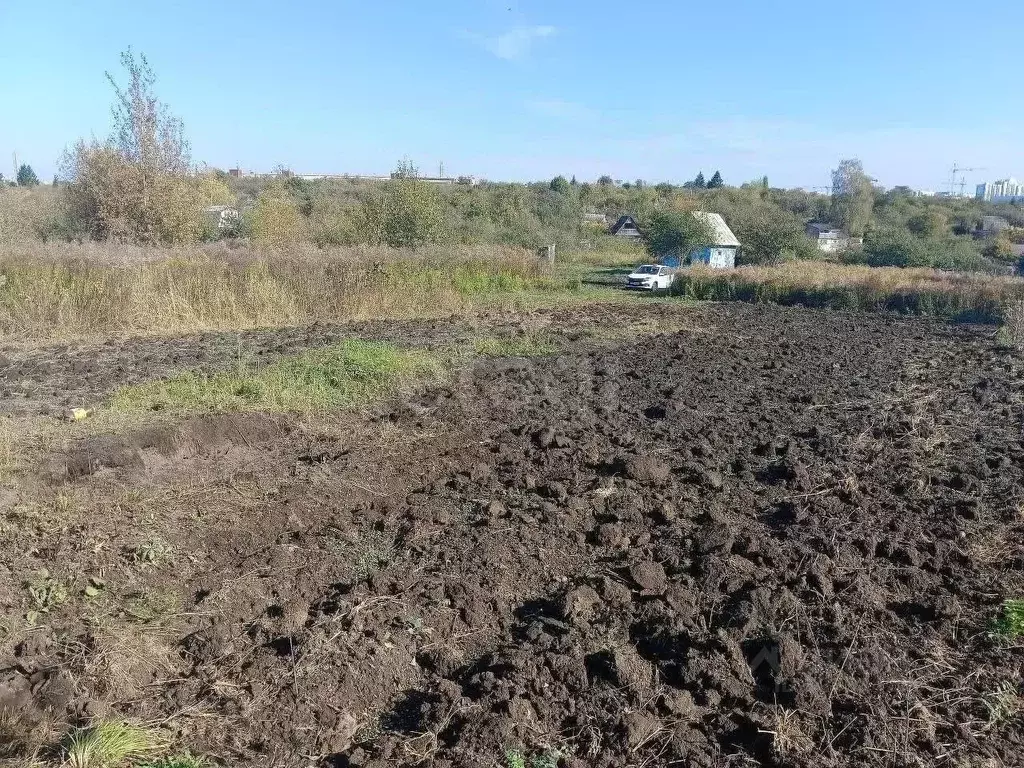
x: 595, y: 218
x: 830, y: 239
x: 1002, y: 191
x: 720, y: 253
x: 220, y: 217
x: 993, y: 225
x: 626, y: 228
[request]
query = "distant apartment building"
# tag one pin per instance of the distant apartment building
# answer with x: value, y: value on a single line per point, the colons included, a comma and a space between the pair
x: 1002, y: 191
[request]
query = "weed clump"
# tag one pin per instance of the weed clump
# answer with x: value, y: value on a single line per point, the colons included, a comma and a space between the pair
x: 46, y: 593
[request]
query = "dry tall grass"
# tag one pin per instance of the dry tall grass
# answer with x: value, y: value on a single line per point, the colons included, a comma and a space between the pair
x: 68, y: 291
x: 25, y: 213
x: 1012, y: 332
x: 972, y: 296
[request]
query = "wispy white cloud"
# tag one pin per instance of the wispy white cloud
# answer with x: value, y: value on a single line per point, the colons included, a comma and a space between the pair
x: 560, y: 109
x: 515, y: 44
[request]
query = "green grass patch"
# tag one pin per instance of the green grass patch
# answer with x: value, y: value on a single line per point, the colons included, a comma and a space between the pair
x: 109, y: 744
x: 1010, y: 622
x: 342, y: 375
x: 526, y: 345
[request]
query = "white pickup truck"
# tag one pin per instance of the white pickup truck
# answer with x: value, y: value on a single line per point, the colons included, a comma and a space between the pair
x: 650, y: 277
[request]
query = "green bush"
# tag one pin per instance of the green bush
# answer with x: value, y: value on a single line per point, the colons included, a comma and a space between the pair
x: 894, y: 248
x: 405, y: 212
x: 675, y: 232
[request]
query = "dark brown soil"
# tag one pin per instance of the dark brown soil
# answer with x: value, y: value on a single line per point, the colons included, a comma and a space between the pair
x: 779, y: 538
x: 48, y: 379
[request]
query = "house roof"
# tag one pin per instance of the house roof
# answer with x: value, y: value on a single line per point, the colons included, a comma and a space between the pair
x: 823, y: 229
x: 623, y: 220
x: 720, y: 233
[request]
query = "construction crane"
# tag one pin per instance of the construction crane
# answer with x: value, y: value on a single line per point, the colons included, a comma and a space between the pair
x: 963, y: 183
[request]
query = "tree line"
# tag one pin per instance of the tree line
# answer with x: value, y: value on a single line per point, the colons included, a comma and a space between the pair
x: 139, y: 185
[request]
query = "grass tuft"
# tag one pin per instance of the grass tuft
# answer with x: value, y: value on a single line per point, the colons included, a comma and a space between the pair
x: 347, y: 374
x: 22, y: 735
x: 109, y: 744
x: 1002, y: 704
x: 1010, y: 623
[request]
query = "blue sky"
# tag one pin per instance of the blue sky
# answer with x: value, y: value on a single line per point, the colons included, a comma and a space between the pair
x: 521, y: 90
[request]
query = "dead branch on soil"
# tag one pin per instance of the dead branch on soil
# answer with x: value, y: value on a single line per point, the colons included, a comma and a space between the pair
x: 423, y: 747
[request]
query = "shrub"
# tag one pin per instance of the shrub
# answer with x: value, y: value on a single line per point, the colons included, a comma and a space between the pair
x: 931, y: 222
x: 28, y: 213
x: 275, y: 220
x: 770, y: 235
x: 1000, y: 249
x: 113, y: 197
x: 404, y: 213
x: 333, y: 222
x: 136, y: 186
x: 893, y: 247
x: 675, y: 232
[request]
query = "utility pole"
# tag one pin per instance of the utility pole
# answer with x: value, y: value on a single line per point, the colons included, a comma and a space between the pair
x: 440, y: 170
x: 14, y: 155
